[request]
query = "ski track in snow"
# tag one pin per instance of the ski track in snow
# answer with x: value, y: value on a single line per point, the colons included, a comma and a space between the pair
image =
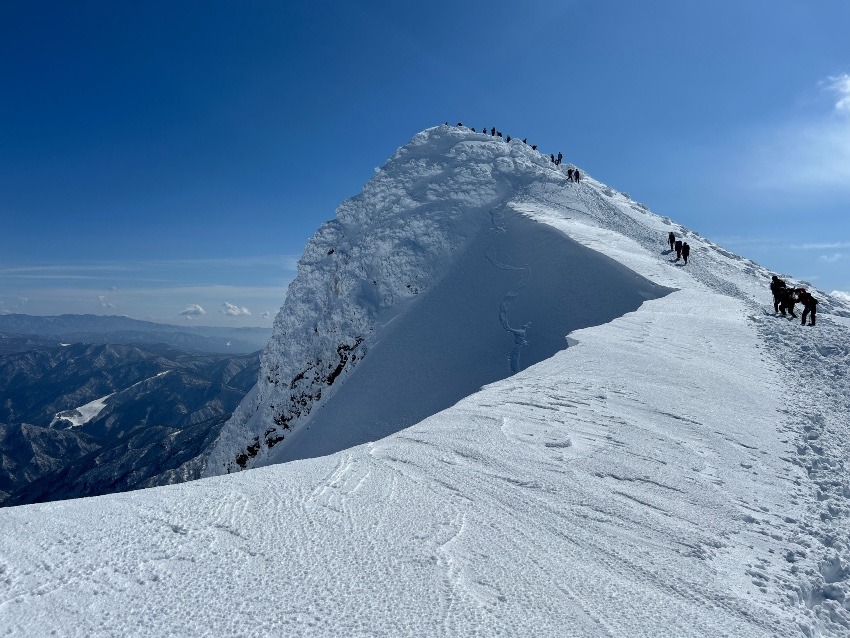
x: 679, y: 471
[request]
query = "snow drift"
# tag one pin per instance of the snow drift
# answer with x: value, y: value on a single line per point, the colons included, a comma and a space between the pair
x: 678, y: 470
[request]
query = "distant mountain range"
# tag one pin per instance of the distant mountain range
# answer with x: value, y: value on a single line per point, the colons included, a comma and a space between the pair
x: 79, y: 417
x: 116, y: 329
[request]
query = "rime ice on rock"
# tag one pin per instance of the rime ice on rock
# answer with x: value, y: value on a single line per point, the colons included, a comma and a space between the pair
x: 438, y: 212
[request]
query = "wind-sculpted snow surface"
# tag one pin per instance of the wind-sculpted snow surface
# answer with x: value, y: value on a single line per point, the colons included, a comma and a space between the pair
x: 679, y: 470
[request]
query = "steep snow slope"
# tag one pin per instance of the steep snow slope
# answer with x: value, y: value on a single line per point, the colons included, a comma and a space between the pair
x: 507, y: 302
x: 436, y: 285
x: 677, y: 471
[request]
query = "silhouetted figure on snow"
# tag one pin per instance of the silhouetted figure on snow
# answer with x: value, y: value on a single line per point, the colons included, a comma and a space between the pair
x: 810, y: 305
x: 498, y: 134
x: 777, y: 287
x: 493, y: 131
x: 678, y: 249
x: 534, y: 147
x: 551, y: 158
x: 570, y: 174
x: 560, y: 157
x: 686, y: 251
x: 576, y: 176
x: 508, y: 138
x: 671, y: 238
x: 525, y: 140
x: 787, y: 302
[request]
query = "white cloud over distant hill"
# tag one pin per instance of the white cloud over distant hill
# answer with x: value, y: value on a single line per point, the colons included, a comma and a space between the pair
x: 193, y: 310
x: 234, y: 311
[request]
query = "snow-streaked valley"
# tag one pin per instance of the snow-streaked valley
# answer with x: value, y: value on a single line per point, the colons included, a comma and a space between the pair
x: 80, y: 416
x: 668, y: 458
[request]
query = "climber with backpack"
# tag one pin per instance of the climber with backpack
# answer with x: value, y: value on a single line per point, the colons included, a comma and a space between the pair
x: 810, y: 306
x: 777, y: 287
x: 787, y: 301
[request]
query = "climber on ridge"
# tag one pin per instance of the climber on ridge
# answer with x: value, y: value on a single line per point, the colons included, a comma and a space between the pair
x: 810, y: 305
x: 777, y: 287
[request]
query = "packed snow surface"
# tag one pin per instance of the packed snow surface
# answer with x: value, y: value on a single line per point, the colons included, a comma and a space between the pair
x: 677, y: 470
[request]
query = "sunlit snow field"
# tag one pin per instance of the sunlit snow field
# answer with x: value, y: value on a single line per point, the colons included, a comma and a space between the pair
x: 677, y: 470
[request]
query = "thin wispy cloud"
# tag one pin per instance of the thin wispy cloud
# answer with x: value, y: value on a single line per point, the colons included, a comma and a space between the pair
x: 161, y: 287
x: 213, y: 290
x: 11, y: 305
x: 234, y: 311
x: 175, y: 295
x: 265, y: 315
x: 840, y: 85
x: 96, y: 270
x: 830, y: 259
x: 823, y: 245
x: 747, y: 241
x: 808, y: 157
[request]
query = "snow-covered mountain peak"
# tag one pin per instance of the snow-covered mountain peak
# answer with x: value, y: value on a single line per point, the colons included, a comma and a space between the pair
x: 443, y: 265
x: 443, y: 195
x: 678, y: 470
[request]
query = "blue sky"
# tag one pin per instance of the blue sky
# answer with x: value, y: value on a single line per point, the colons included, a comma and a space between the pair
x: 157, y: 158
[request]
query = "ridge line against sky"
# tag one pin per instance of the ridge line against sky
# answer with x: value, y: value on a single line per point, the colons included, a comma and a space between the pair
x: 148, y: 151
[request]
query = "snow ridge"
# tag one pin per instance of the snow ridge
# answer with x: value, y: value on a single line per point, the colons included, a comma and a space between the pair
x: 679, y: 470
x: 424, y: 208
x: 392, y: 242
x: 814, y: 365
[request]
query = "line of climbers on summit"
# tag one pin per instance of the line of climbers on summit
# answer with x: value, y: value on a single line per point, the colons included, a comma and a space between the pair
x: 573, y: 174
x: 784, y: 299
x: 683, y: 249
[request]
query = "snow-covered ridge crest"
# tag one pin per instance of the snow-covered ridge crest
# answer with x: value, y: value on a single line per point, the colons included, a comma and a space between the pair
x: 399, y: 241
x: 387, y: 244
x: 679, y: 470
